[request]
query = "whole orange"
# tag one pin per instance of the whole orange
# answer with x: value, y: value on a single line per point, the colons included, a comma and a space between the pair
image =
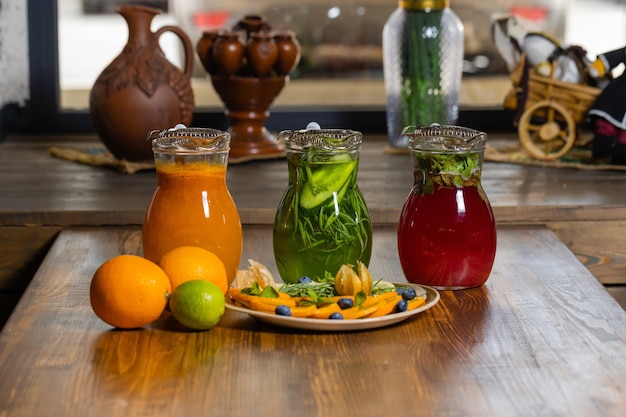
x: 186, y: 263
x: 129, y: 291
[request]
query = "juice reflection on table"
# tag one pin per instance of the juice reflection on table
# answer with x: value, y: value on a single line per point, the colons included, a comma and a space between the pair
x: 191, y: 204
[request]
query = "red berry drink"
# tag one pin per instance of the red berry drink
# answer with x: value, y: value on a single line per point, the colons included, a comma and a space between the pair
x: 447, y: 232
x: 447, y: 239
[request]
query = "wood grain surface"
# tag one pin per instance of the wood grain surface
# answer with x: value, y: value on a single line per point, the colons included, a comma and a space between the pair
x: 587, y: 209
x: 22, y: 248
x: 38, y: 189
x: 541, y: 338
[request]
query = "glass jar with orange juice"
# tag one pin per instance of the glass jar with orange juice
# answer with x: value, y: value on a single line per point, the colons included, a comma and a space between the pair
x: 191, y: 205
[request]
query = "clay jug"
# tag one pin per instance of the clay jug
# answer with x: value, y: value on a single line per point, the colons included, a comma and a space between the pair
x: 228, y: 53
x: 204, y: 48
x: 140, y: 90
x: 252, y: 23
x: 261, y: 53
x: 288, y: 52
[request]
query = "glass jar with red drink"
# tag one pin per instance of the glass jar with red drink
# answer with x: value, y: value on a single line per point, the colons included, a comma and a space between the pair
x: 447, y: 232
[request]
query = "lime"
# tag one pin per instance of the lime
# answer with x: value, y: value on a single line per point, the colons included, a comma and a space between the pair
x: 197, y: 304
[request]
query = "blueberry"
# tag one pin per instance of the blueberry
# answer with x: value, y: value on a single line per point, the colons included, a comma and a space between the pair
x: 305, y: 280
x: 344, y: 303
x: 282, y: 310
x: 401, y: 306
x: 409, y: 294
x: 335, y: 316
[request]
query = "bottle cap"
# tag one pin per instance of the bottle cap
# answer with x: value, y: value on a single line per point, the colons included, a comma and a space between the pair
x: 424, y: 4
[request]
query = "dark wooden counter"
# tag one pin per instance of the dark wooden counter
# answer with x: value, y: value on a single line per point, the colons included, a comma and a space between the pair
x: 38, y: 189
x: 41, y: 195
x: 541, y: 338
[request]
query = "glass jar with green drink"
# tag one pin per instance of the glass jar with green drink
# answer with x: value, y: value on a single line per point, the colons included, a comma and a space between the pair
x: 322, y: 221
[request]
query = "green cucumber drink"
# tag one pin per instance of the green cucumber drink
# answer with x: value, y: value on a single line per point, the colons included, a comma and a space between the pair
x: 322, y: 221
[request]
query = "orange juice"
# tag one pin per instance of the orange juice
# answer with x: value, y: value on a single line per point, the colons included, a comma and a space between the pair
x: 192, y: 206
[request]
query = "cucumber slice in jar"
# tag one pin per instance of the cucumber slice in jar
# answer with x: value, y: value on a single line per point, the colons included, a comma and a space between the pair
x: 326, y: 181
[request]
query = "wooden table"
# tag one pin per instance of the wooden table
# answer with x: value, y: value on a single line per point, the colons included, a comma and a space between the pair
x: 541, y: 338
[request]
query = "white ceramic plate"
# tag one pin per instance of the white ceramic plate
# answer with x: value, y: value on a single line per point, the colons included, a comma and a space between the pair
x: 432, y: 298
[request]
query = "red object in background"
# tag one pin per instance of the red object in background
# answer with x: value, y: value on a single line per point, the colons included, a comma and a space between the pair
x: 534, y: 14
x: 210, y: 20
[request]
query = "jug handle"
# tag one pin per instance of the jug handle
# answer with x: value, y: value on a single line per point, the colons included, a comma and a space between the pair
x: 189, y: 52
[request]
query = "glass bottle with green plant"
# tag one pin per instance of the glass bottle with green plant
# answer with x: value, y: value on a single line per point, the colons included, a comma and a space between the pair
x: 423, y: 63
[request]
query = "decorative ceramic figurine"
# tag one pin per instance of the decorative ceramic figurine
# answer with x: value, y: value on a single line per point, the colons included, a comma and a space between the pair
x: 512, y: 40
x: 140, y: 90
x: 557, y: 90
x: 249, y: 65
